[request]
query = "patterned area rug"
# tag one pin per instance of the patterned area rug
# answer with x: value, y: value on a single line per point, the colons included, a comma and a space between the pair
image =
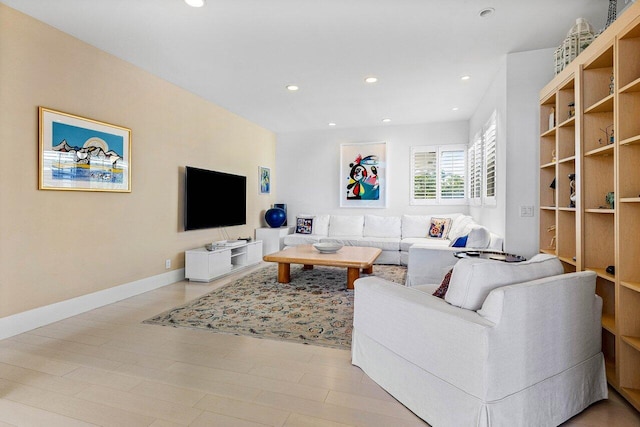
x: 314, y: 308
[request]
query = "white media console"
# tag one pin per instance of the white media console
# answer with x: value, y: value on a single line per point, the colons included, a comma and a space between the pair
x: 202, y: 265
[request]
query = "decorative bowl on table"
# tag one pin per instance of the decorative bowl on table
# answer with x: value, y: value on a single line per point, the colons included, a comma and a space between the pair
x: 327, y: 247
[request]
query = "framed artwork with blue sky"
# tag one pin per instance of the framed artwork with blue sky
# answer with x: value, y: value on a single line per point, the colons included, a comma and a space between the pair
x: 82, y: 154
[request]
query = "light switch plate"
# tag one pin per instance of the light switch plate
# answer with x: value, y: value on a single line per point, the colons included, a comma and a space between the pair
x: 526, y: 211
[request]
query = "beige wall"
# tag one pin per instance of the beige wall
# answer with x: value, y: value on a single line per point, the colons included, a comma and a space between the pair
x: 56, y: 245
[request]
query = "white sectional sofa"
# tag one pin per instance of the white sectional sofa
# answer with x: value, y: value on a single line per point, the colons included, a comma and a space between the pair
x: 393, y: 234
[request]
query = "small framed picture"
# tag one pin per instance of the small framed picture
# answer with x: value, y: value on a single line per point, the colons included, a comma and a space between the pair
x: 82, y: 154
x: 264, y: 175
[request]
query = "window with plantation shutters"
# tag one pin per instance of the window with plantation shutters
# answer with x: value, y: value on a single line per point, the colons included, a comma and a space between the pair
x: 489, y: 154
x: 475, y: 170
x: 424, y: 167
x: 438, y: 174
x: 482, y: 161
x: 452, y: 172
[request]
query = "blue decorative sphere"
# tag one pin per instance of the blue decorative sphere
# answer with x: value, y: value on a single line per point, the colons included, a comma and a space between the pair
x: 275, y: 217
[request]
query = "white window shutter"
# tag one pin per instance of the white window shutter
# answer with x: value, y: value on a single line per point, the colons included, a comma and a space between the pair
x: 424, y: 170
x: 489, y: 138
x: 438, y: 174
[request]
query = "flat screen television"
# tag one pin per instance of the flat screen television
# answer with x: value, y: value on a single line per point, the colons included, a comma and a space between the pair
x: 213, y: 199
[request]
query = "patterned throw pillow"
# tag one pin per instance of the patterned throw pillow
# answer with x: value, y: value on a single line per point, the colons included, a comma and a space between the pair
x: 442, y: 290
x: 304, y: 225
x: 439, y: 228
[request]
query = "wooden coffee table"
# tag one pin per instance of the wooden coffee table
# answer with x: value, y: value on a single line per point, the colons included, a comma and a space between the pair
x: 354, y: 258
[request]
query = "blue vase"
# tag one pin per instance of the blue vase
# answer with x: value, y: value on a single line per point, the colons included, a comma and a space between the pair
x: 275, y: 217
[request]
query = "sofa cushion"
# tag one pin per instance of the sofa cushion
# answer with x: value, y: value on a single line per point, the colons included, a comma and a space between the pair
x: 428, y: 289
x: 439, y: 228
x: 418, y: 225
x: 479, y: 237
x: 321, y: 224
x: 301, y: 239
x: 343, y: 240
x: 473, y: 279
x: 415, y: 225
x: 346, y: 225
x: 382, y: 226
x: 405, y: 244
x: 384, y: 243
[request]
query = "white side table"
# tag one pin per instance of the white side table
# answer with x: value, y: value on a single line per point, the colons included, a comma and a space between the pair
x: 272, y: 238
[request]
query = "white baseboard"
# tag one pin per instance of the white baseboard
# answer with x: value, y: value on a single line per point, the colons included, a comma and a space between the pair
x: 32, y: 319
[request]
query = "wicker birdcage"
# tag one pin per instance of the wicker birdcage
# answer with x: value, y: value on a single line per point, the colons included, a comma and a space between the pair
x: 578, y: 38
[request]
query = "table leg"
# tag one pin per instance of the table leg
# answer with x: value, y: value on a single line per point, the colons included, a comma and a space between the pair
x: 352, y: 275
x: 307, y: 267
x: 284, y: 272
x: 368, y: 270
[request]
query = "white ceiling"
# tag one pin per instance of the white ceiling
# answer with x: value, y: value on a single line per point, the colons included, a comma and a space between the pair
x: 240, y: 54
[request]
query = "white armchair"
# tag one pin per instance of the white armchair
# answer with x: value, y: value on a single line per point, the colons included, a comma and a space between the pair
x: 530, y: 356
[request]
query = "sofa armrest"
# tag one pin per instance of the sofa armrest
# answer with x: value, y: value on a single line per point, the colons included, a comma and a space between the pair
x: 543, y: 327
x: 496, y: 243
x: 447, y: 341
x: 428, y: 265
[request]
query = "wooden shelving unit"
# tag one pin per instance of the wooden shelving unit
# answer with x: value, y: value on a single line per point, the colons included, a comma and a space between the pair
x: 600, y: 144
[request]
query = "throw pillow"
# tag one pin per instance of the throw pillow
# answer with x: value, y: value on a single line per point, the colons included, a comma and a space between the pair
x: 460, y: 242
x: 442, y: 289
x: 475, y: 278
x: 439, y: 228
x: 304, y: 225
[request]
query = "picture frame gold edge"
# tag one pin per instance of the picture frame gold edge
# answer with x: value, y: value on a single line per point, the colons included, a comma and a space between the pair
x: 41, y: 111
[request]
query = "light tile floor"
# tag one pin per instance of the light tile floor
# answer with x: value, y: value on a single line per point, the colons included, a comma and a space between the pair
x: 106, y: 368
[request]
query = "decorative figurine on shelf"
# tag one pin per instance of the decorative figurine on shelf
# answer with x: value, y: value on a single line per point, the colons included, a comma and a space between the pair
x: 612, y: 14
x: 611, y: 85
x: 611, y: 270
x: 608, y: 131
x: 611, y: 198
x: 572, y: 109
x: 553, y: 156
x: 552, y: 118
x: 572, y: 190
x: 578, y: 38
x: 552, y: 244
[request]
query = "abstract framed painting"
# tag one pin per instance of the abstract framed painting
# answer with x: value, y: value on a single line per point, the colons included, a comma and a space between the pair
x: 363, y: 175
x: 265, y: 180
x: 82, y: 154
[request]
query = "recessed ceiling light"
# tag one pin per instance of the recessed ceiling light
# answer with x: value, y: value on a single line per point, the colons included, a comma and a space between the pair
x: 292, y: 87
x: 455, y: 108
x: 370, y: 79
x: 386, y: 120
x: 465, y: 78
x: 486, y: 12
x: 195, y: 3
x: 332, y: 124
